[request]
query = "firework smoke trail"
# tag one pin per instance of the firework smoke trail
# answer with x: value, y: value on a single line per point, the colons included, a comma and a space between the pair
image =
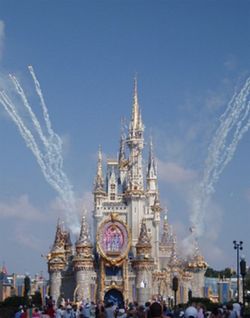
x: 234, y: 123
x: 49, y: 157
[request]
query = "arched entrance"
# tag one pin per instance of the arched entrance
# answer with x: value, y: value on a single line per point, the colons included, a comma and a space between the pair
x: 114, y: 296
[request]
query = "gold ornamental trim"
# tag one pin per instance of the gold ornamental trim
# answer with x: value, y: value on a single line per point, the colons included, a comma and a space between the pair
x: 113, y: 258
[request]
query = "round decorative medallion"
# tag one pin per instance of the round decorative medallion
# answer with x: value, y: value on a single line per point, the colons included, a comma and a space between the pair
x: 113, y: 240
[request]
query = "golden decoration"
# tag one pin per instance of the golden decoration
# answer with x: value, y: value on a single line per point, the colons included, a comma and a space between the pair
x: 117, y: 258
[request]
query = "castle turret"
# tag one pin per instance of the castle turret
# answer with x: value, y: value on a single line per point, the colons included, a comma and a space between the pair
x: 56, y: 263
x: 99, y: 182
x: 143, y: 265
x: 83, y: 264
x: 151, y: 175
x: 173, y: 258
x: 99, y: 191
x: 156, y: 208
x: 166, y: 244
x: 123, y: 163
x: 197, y: 266
x: 112, y: 181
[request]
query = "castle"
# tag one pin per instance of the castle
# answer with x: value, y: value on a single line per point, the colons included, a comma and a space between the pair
x: 134, y: 254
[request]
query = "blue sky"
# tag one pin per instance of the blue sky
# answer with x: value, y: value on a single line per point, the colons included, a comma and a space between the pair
x: 190, y: 57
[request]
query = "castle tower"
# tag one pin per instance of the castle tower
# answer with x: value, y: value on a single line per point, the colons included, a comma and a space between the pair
x: 197, y: 266
x: 143, y: 265
x: 135, y: 143
x: 83, y: 265
x: 99, y: 191
x: 123, y: 162
x: 68, y: 245
x: 173, y: 258
x: 131, y: 261
x: 156, y: 208
x: 135, y: 193
x: 151, y: 175
x: 56, y: 263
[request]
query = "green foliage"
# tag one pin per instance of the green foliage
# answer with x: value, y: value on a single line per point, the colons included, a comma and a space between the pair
x: 226, y: 273
x: 247, y: 280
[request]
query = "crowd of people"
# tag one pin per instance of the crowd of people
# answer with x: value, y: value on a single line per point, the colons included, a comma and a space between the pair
x: 154, y: 309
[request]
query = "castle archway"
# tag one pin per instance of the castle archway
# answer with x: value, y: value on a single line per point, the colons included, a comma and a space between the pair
x: 115, y: 296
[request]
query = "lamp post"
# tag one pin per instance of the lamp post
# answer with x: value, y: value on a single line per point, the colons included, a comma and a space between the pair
x: 175, y: 288
x: 238, y: 247
x: 243, y: 274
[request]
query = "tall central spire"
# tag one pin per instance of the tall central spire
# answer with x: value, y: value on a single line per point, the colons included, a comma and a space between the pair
x: 135, y: 114
x: 135, y: 144
x: 136, y: 121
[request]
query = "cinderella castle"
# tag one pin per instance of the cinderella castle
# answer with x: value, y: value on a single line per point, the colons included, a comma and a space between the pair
x: 133, y: 255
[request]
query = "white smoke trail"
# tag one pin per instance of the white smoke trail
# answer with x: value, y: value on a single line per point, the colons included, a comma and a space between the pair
x: 49, y: 156
x: 234, y: 123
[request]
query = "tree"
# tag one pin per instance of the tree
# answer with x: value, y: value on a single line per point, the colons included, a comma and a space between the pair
x: 226, y: 273
x: 26, y: 286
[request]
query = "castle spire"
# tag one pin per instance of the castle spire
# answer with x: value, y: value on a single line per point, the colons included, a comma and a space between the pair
x: 173, y: 258
x: 99, y: 182
x: 151, y: 173
x: 136, y: 119
x: 122, y: 155
x: 135, y: 144
x: 84, y: 237
x: 59, y: 237
x: 143, y: 237
x: 135, y: 112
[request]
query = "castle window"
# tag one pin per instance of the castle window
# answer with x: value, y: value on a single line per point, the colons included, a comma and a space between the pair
x: 112, y: 186
x: 112, y: 196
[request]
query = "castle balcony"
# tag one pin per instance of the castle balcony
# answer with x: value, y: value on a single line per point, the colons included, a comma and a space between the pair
x: 114, y: 280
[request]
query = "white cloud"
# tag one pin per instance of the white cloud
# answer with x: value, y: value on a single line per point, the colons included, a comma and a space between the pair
x: 84, y: 203
x: 174, y: 173
x: 20, y: 208
x: 25, y: 237
x: 2, y: 35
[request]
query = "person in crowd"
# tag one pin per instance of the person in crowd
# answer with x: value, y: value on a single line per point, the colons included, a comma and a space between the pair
x: 155, y: 310
x: 19, y: 312
x: 121, y: 313
x: 86, y: 310
x: 50, y: 311
x: 36, y: 313
x: 230, y: 313
x: 191, y: 312
x: 92, y: 309
x: 141, y: 312
x: 101, y: 311
x: 131, y: 311
x: 201, y: 311
x: 68, y: 313
x: 217, y: 313
x: 110, y: 310
x: 59, y: 312
x: 24, y: 313
x: 147, y: 307
x: 237, y: 309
